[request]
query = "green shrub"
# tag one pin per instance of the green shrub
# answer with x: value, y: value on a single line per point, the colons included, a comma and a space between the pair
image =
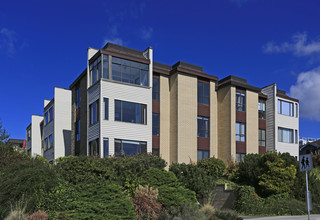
x: 26, y: 178
x: 213, y: 166
x: 158, y: 177
x: 184, y: 212
x: 194, y: 178
x: 247, y: 201
x: 226, y: 214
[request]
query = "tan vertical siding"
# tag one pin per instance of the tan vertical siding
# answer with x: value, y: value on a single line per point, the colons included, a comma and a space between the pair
x: 213, y: 121
x: 252, y: 122
x: 173, y: 118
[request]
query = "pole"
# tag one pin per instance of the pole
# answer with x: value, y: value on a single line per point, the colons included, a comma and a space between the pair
x: 308, y: 205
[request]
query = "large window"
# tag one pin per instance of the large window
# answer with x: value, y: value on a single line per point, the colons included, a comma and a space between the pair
x: 48, y: 115
x: 51, y: 140
x: 106, y: 108
x: 105, y: 147
x: 156, y: 89
x: 94, y: 148
x: 94, y: 112
x: 78, y: 130
x: 130, y: 71
x: 202, y: 154
x: 48, y: 142
x: 78, y: 97
x: 128, y: 147
x: 155, y: 124
x: 203, y: 127
x: 262, y: 110
x: 285, y: 135
x: 95, y: 71
x: 240, y: 132
x: 285, y: 108
x: 240, y: 157
x: 240, y: 101
x: 105, y: 66
x: 203, y: 93
x: 130, y: 112
x: 262, y: 138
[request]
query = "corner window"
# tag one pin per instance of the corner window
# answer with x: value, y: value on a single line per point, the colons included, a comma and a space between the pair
x: 94, y: 112
x: 128, y: 147
x: 130, y: 71
x: 155, y: 124
x: 203, y: 127
x: 156, y: 89
x: 240, y: 101
x: 106, y: 108
x: 105, y: 66
x: 78, y: 97
x: 95, y: 71
x: 203, y: 93
x: 48, y: 115
x: 130, y: 112
x: 285, y: 108
x: 285, y: 135
x: 262, y: 110
x: 202, y: 154
x: 262, y: 138
x: 240, y: 132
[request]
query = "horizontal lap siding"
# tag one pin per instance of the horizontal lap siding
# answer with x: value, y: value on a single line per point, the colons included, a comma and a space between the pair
x: 270, y: 111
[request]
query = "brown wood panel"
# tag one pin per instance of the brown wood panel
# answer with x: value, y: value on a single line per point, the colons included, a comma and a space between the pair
x: 203, y: 110
x: 241, y: 116
x: 262, y: 150
x: 262, y: 124
x: 156, y: 106
x: 203, y: 143
x: 241, y: 147
x: 155, y: 141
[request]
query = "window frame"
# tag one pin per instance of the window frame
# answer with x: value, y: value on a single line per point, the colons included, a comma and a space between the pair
x: 241, y: 101
x: 281, y: 131
x: 142, y: 112
x: 202, y: 131
x: 78, y: 97
x: 106, y: 108
x: 281, y: 103
x: 125, y: 141
x: 242, y: 132
x: 156, y: 128
x: 155, y: 93
x: 262, y: 111
x: 91, y: 112
x: 202, y: 94
x: 78, y: 128
x: 203, y: 156
x: 262, y: 139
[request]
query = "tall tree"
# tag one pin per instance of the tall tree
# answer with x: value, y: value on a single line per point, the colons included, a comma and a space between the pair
x: 3, y: 133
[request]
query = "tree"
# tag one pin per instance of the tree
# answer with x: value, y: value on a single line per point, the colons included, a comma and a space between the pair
x: 3, y: 134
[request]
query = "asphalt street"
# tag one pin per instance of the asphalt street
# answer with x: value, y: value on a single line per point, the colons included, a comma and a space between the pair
x: 296, y: 217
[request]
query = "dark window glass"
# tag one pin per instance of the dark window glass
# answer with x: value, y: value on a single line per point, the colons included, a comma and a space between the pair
x: 240, y: 101
x: 202, y: 154
x: 135, y: 76
x: 155, y: 124
x: 105, y: 147
x: 51, y: 141
x: 262, y: 138
x: 78, y: 130
x: 296, y: 136
x: 106, y: 66
x: 240, y: 157
x: 78, y: 97
x: 262, y: 110
x: 95, y: 71
x: 94, y: 112
x: 156, y: 152
x: 94, y: 148
x: 156, y: 89
x: 128, y: 147
x: 46, y: 116
x: 130, y: 112
x: 240, y: 132
x: 116, y: 72
x: 106, y: 108
x: 203, y: 127
x: 203, y: 93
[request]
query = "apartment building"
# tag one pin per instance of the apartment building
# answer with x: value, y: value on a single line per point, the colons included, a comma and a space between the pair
x: 125, y: 103
x: 282, y: 121
x: 33, y: 136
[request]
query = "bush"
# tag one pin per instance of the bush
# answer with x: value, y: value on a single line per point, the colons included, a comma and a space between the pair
x: 171, y: 193
x: 145, y: 203
x: 39, y: 215
x: 213, y: 166
x: 183, y: 212
x: 194, y: 178
x: 26, y: 178
x: 226, y: 214
x: 247, y: 202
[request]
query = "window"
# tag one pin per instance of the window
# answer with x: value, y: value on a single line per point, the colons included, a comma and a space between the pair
x: 203, y: 127
x: 296, y: 136
x: 262, y: 138
x: 105, y: 147
x: 240, y: 132
x: 28, y: 134
x: 240, y: 157
x: 202, y: 154
x: 285, y: 108
x: 106, y: 108
x: 95, y: 71
x: 155, y: 124
x: 297, y: 113
x: 127, y: 147
x: 203, y: 93
x: 94, y: 148
x: 94, y: 112
x: 46, y: 144
x: 262, y: 110
x: 51, y: 140
x: 130, y: 112
x: 285, y: 135
x: 240, y: 101
x: 156, y: 152
x: 48, y: 115
x: 130, y: 71
x: 78, y: 97
x: 156, y: 89
x: 78, y: 130
x: 105, y: 66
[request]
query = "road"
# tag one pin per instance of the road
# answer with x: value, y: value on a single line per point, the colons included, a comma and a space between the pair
x: 296, y: 217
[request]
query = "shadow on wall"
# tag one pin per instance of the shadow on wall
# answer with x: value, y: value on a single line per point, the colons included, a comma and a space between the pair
x: 67, y: 142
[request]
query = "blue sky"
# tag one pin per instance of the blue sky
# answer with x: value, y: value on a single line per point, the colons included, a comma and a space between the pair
x: 44, y: 44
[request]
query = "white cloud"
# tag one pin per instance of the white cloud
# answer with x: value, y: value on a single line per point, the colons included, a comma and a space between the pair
x: 299, y: 46
x: 8, y: 40
x: 146, y: 33
x: 307, y: 90
x: 114, y: 40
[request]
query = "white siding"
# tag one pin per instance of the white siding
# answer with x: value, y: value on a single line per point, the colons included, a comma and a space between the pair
x: 36, y: 135
x: 122, y: 130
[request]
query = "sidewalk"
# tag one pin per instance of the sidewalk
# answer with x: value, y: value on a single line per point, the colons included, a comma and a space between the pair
x: 296, y: 217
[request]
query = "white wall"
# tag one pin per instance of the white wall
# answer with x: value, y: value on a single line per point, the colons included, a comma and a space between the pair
x: 36, y: 135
